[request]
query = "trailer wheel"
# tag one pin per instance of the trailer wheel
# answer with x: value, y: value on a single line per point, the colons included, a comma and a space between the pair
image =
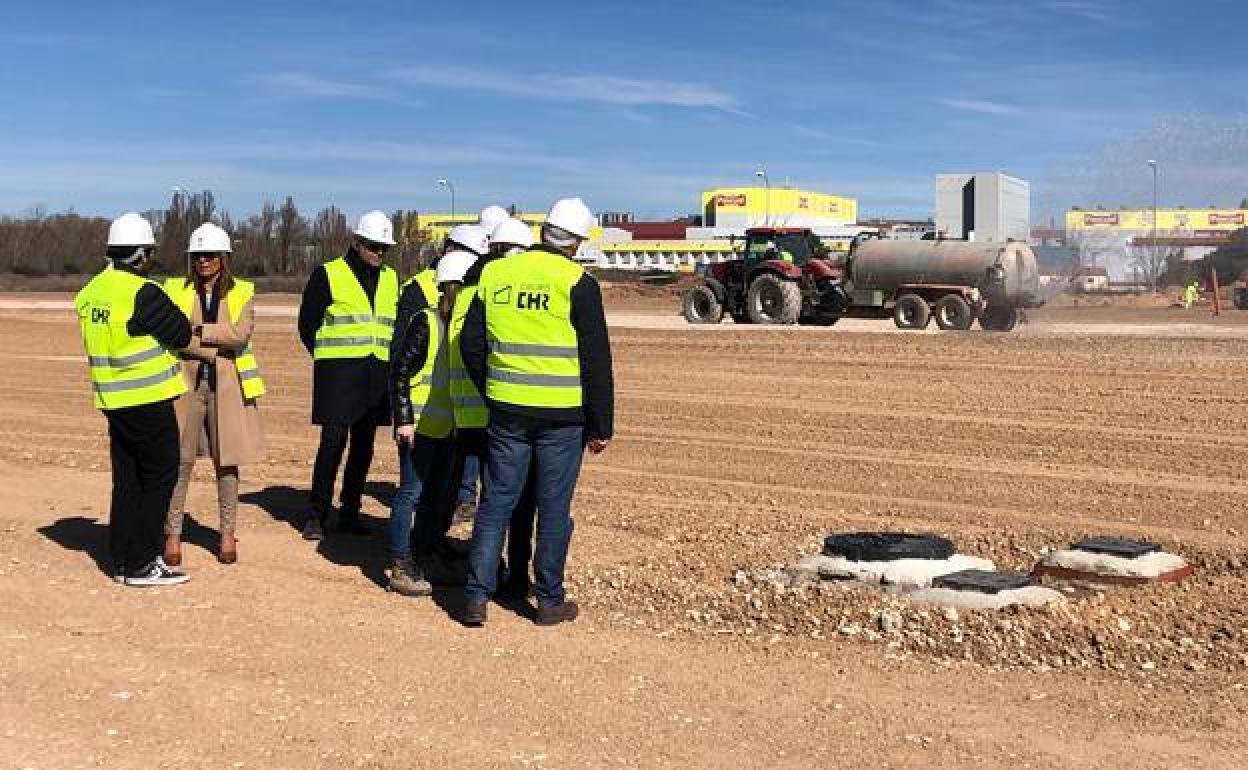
x: 954, y: 313
x: 700, y: 306
x: 774, y: 300
x: 911, y: 312
x: 998, y: 319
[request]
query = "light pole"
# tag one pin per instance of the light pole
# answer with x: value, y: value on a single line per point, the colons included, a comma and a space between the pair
x: 1155, y: 267
x: 762, y: 173
x: 447, y: 184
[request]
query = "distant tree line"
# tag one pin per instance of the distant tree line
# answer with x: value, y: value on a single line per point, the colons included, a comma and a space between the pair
x: 279, y: 240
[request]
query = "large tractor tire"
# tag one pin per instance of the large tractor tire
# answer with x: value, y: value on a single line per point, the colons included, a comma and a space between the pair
x: 773, y: 300
x: 998, y: 319
x: 911, y: 312
x: 953, y: 313
x: 701, y: 306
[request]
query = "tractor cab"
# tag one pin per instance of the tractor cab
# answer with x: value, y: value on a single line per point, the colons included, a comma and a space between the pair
x: 793, y: 245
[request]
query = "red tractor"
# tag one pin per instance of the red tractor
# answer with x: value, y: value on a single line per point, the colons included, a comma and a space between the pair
x: 783, y: 276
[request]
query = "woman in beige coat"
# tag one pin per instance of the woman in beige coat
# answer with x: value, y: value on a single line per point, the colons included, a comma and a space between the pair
x: 218, y: 416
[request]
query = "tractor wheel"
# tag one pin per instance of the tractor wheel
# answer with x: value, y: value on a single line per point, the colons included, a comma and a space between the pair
x: 953, y: 313
x: 700, y: 306
x: 998, y: 319
x: 911, y: 312
x: 774, y: 300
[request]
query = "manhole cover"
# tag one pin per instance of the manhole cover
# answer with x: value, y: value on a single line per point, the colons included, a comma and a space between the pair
x: 1116, y: 546
x: 983, y: 581
x: 887, y: 546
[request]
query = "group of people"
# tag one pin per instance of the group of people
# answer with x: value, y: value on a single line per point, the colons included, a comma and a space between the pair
x: 494, y: 361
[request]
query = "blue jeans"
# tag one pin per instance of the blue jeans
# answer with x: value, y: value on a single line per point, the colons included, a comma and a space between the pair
x: 468, y: 484
x: 424, y: 482
x: 515, y: 442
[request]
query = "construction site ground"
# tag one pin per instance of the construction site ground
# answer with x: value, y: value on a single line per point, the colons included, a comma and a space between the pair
x: 738, y: 449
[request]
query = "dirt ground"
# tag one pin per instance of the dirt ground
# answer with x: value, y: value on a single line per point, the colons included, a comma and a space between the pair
x: 738, y: 450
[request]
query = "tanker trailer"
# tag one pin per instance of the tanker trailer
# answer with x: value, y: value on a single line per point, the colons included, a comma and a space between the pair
x: 954, y: 281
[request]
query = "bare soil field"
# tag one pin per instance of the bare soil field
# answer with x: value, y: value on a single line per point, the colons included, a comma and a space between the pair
x: 738, y: 450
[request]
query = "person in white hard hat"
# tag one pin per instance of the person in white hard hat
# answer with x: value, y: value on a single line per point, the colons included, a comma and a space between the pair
x: 420, y: 398
x: 346, y: 319
x: 130, y: 329
x: 491, y: 216
x: 535, y: 344
x: 224, y: 383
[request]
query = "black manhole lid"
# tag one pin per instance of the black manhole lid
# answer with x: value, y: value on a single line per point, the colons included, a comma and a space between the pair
x: 983, y: 581
x: 887, y: 546
x: 1116, y: 546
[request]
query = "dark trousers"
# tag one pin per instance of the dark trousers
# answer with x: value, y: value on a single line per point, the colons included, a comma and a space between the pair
x: 334, y: 441
x: 424, y: 484
x: 143, y: 448
x: 470, y: 449
x: 517, y: 445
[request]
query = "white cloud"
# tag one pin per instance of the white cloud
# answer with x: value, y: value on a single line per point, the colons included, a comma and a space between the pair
x: 305, y: 85
x: 982, y: 106
x: 606, y: 89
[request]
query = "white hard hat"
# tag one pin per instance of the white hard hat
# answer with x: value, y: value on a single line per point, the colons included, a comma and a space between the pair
x: 130, y: 229
x: 572, y: 215
x: 491, y: 216
x: 474, y: 238
x: 514, y: 232
x: 376, y: 227
x: 210, y: 238
x: 454, y: 264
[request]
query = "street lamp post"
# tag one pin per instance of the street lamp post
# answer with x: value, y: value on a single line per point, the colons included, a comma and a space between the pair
x: 762, y: 173
x: 1155, y: 267
x: 447, y: 184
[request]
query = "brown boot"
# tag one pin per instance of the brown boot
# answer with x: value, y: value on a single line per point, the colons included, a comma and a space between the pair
x: 559, y: 613
x: 173, y: 550
x: 228, y: 554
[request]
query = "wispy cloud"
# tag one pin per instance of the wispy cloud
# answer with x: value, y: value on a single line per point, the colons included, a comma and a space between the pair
x: 605, y: 89
x: 982, y: 106
x: 1091, y: 11
x: 302, y: 84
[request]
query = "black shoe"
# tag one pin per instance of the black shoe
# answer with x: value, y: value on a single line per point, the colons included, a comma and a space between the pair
x: 473, y: 613
x: 352, y: 525
x: 556, y: 614
x: 313, y: 528
x: 156, y: 574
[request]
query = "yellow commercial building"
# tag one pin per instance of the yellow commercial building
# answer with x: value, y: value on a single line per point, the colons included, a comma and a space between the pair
x: 739, y: 207
x: 1186, y: 221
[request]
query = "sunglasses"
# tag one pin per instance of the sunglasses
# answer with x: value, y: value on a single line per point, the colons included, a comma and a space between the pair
x: 205, y: 256
x: 373, y: 246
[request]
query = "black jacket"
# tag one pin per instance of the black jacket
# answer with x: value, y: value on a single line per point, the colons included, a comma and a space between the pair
x: 594, y: 349
x: 411, y: 301
x: 405, y: 361
x: 344, y: 391
x: 157, y: 315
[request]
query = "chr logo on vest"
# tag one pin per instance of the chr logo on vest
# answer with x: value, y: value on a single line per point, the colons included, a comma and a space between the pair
x: 533, y: 300
x: 99, y: 315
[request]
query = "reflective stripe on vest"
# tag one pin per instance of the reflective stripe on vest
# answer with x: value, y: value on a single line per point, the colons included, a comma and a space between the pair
x: 533, y: 353
x: 470, y: 409
x: 125, y: 371
x: 183, y: 294
x: 430, y: 388
x: 354, y: 326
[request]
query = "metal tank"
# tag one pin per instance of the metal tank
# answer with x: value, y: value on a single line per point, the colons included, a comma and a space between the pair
x: 1005, y: 273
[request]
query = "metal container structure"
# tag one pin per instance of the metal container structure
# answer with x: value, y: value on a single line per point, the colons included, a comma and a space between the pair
x: 1005, y: 273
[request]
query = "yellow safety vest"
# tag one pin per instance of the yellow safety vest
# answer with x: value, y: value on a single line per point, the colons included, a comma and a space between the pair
x: 470, y: 410
x: 427, y: 279
x: 430, y: 387
x: 125, y: 371
x: 183, y: 294
x: 353, y: 327
x: 534, y: 359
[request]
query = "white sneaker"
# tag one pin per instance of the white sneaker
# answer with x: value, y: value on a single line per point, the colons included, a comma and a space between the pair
x: 157, y: 574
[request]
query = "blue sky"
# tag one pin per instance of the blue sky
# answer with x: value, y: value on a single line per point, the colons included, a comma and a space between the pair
x: 635, y: 106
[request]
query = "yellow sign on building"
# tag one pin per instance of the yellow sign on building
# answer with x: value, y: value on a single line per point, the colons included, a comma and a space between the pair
x: 779, y: 206
x: 1168, y: 220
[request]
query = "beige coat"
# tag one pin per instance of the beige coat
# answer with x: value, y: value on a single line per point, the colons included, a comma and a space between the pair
x: 240, y: 434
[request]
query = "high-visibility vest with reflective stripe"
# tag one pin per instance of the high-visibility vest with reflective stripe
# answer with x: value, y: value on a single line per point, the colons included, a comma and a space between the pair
x: 184, y: 295
x: 469, y: 406
x: 353, y: 326
x: 430, y: 388
x: 533, y: 357
x: 427, y: 279
x: 125, y: 371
